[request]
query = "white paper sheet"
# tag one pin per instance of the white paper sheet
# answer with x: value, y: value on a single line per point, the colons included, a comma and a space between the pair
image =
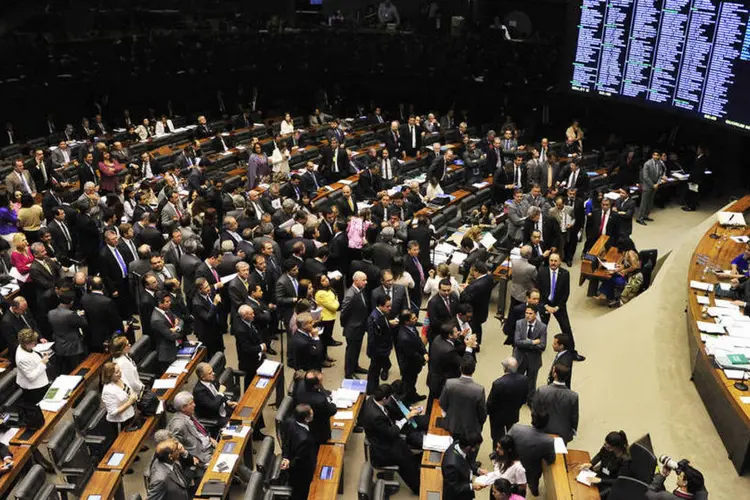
x: 709, y: 327
x: 165, y: 383
x: 585, y: 476
x: 344, y: 415
x: 560, y: 446
x: 700, y: 285
x: 434, y: 442
x: 229, y: 277
x: 229, y: 460
x: 268, y: 368
x: 703, y: 300
x: 6, y: 436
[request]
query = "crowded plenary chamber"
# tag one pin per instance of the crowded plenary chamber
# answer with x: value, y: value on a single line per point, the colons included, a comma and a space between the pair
x: 368, y: 250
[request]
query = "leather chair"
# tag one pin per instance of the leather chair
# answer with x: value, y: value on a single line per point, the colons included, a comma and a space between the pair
x: 642, y: 463
x: 71, y: 455
x: 227, y: 376
x: 383, y: 471
x: 10, y: 393
x: 468, y: 204
x: 268, y: 463
x: 34, y: 487
x: 648, y: 264
x: 254, y: 489
x: 378, y: 489
x: 282, y: 413
x: 628, y: 488
x: 89, y: 420
x: 145, y: 359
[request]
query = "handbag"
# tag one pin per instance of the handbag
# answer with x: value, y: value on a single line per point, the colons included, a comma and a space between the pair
x: 148, y: 403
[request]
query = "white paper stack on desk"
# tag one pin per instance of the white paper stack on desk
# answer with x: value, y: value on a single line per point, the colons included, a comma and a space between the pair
x: 434, y: 442
x: 344, y: 398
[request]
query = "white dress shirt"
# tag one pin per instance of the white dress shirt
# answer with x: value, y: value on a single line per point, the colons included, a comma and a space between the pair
x: 113, y: 397
x: 32, y: 373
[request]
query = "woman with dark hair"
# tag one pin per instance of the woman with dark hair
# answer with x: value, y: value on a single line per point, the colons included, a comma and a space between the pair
x: 326, y: 299
x: 129, y: 202
x: 257, y: 166
x: 110, y: 170
x: 503, y: 490
x: 508, y: 465
x: 483, y: 216
x: 209, y: 231
x: 30, y: 218
x: 612, y: 461
x: 593, y: 202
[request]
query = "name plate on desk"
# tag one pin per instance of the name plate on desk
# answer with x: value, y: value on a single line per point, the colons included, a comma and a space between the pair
x: 115, y: 459
x: 246, y: 411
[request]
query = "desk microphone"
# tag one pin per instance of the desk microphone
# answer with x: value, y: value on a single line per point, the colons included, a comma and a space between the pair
x: 713, y: 235
x: 741, y: 385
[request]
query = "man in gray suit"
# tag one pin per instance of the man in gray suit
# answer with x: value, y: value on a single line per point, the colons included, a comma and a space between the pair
x: 167, y: 330
x: 67, y: 328
x: 524, y: 276
x: 534, y: 169
x: 399, y: 302
x: 651, y: 174
x: 560, y: 403
x: 171, y: 212
x: 354, y: 313
x: 463, y: 402
x: 19, y: 180
x: 533, y: 445
x: 529, y: 342
x: 564, y: 215
x: 166, y: 478
x: 516, y: 216
x: 186, y: 428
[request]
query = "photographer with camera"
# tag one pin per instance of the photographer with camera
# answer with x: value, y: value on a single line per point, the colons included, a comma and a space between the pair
x: 689, y: 481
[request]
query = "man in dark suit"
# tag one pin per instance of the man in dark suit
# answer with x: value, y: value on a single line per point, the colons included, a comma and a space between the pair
x: 43, y: 272
x: 222, y: 143
x: 507, y: 395
x: 411, y: 355
x: 393, y: 142
x: 474, y: 253
x: 314, y: 394
x: 370, y: 182
x: 114, y: 273
x: 347, y: 204
x: 572, y: 176
x: 147, y: 302
x: 625, y: 210
x: 293, y: 189
x: 554, y: 287
x: 87, y: 171
x: 311, y: 180
x: 534, y: 445
x: 299, y: 451
x: 334, y: 163
x: 477, y: 293
x: 238, y: 289
x: 338, y: 250
x: 167, y: 480
x: 150, y: 235
x: 188, y: 266
x: 446, y: 352
x: 167, y: 331
x: 412, y: 137
x: 379, y: 339
x: 563, y: 356
x: 602, y: 222
x: 101, y: 313
x: 16, y: 319
x: 384, y: 251
x: 529, y: 342
x: 439, y: 168
x: 368, y: 267
x: 205, y: 313
x: 463, y: 402
x: 560, y: 403
x: 306, y: 351
x: 441, y: 308
x: 386, y: 445
x: 250, y: 346
x: 416, y: 269
x: 210, y: 401
x: 287, y: 286
x: 549, y: 229
x: 459, y: 470
x: 540, y: 251
x: 66, y: 327
x: 354, y: 312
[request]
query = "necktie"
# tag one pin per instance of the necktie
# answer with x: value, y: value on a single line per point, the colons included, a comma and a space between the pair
x: 121, y: 262
x: 177, y: 211
x: 216, y: 275
x: 419, y: 268
x: 447, y: 304
x: 539, y: 228
x: 413, y: 137
x: 601, y: 226
x: 296, y: 288
x: 553, y: 284
x: 170, y: 318
x: 25, y: 184
x: 517, y: 176
x: 178, y: 251
x: 362, y: 295
x: 198, y: 426
x: 44, y: 264
x: 64, y: 229
x: 539, y: 250
x: 351, y: 204
x: 315, y: 180
x: 44, y: 171
x: 528, y: 332
x: 23, y: 318
x: 549, y: 176
x: 499, y: 158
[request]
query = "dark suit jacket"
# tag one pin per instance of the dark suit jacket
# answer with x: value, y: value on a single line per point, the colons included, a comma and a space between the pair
x: 152, y: 237
x: 10, y: 325
x: 205, y: 317
x: 594, y: 223
x: 438, y: 313
x: 386, y: 446
x: 445, y: 363
x: 249, y: 343
x: 415, y: 294
x: 383, y: 255
x: 312, y: 268
x: 216, y: 143
x: 581, y: 184
x: 379, y: 337
x: 398, y: 299
x: 164, y: 336
x: 300, y: 448
x: 65, y: 327
x: 457, y: 473
x: 462, y: 400
x: 562, y: 287
x: 477, y: 293
x: 344, y: 208
x: 111, y: 273
x: 410, y: 350
x: 562, y: 406
x: 338, y: 257
x: 625, y: 213
x: 285, y: 295
x: 188, y: 267
x: 550, y: 229
x: 323, y: 409
x: 206, y: 404
x: 103, y: 318
x: 305, y: 353
x: 308, y: 182
x: 394, y: 143
x: 354, y: 312
x: 533, y: 446
x: 507, y: 395
x: 369, y: 185
x: 43, y: 279
x: 371, y: 270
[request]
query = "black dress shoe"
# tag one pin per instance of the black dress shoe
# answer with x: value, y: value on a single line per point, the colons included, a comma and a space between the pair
x: 418, y: 397
x: 384, y: 375
x: 579, y: 358
x: 361, y: 370
x: 271, y: 351
x: 641, y: 222
x: 648, y: 219
x: 688, y: 209
x: 352, y: 376
x: 335, y: 343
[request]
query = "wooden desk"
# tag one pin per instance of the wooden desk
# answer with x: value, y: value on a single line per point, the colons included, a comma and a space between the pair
x: 730, y: 416
x: 104, y: 483
x: 332, y: 456
x: 431, y: 482
x: 240, y: 445
x: 611, y: 255
x: 131, y: 442
x: 348, y: 428
x: 434, y: 458
x: 556, y: 485
x: 579, y: 490
x: 93, y: 363
x: 255, y: 399
x: 21, y: 455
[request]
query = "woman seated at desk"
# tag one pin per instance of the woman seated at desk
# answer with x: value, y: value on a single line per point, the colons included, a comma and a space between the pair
x: 611, y: 461
x: 483, y: 216
x: 626, y: 275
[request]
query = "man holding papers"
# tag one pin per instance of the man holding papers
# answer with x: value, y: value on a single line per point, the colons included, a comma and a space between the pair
x: 460, y: 470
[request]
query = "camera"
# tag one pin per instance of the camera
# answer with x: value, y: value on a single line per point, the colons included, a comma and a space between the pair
x: 671, y: 463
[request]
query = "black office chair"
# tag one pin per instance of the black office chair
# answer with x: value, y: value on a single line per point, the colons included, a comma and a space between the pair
x: 91, y: 424
x: 648, y: 263
x: 386, y: 472
x: 144, y: 356
x: 135, y: 496
x: 10, y: 393
x: 71, y: 455
x: 377, y: 489
x: 628, y: 488
x: 268, y: 463
x: 254, y: 489
x: 34, y: 487
x: 642, y: 463
x: 282, y: 413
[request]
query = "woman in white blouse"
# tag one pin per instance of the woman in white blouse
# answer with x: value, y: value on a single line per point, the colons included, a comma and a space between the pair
x: 506, y: 462
x: 280, y: 161
x: 118, y: 398
x: 287, y: 126
x: 120, y: 350
x: 31, y: 375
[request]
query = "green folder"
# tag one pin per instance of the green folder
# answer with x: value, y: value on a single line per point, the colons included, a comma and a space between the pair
x: 738, y: 359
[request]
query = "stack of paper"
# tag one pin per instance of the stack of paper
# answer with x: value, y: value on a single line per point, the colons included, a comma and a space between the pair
x: 225, y: 463
x: 6, y: 436
x: 344, y: 398
x: 238, y: 431
x: 710, y: 327
x: 585, y: 476
x: 344, y: 415
x: 488, y: 240
x: 740, y: 239
x: 165, y: 383
x: 178, y: 366
x: 560, y: 446
x: 42, y: 348
x: 700, y: 285
x: 335, y: 275
x: 268, y: 368
x: 458, y: 258
x: 434, y: 442
x: 358, y: 385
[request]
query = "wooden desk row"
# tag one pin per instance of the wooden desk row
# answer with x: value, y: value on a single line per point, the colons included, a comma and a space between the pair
x: 560, y: 477
x: 247, y: 412
x: 434, y: 458
x: 730, y: 415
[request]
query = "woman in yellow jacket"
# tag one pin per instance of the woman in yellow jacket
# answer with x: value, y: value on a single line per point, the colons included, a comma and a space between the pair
x: 326, y: 299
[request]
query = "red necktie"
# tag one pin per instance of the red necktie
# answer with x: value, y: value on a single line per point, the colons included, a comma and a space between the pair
x: 198, y: 426
x: 216, y: 275
x: 601, y: 226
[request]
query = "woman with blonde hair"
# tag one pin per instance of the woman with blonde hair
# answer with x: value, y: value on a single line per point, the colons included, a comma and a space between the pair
x: 120, y: 350
x: 31, y: 377
x: 432, y: 284
x: 118, y: 397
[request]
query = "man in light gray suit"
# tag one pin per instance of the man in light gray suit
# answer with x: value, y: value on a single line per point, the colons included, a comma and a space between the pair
x: 19, y: 180
x: 166, y: 478
x: 167, y: 330
x: 463, y: 402
x: 560, y: 403
x: 650, y: 176
x: 529, y: 342
x: 516, y: 216
x: 524, y: 276
x: 564, y: 215
x: 534, y: 169
x: 171, y: 212
x: 186, y: 428
x: 534, y: 445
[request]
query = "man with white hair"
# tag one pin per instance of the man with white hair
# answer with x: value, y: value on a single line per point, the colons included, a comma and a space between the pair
x: 186, y: 428
x: 230, y: 231
x: 393, y: 142
x: 354, y: 312
x: 506, y: 397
